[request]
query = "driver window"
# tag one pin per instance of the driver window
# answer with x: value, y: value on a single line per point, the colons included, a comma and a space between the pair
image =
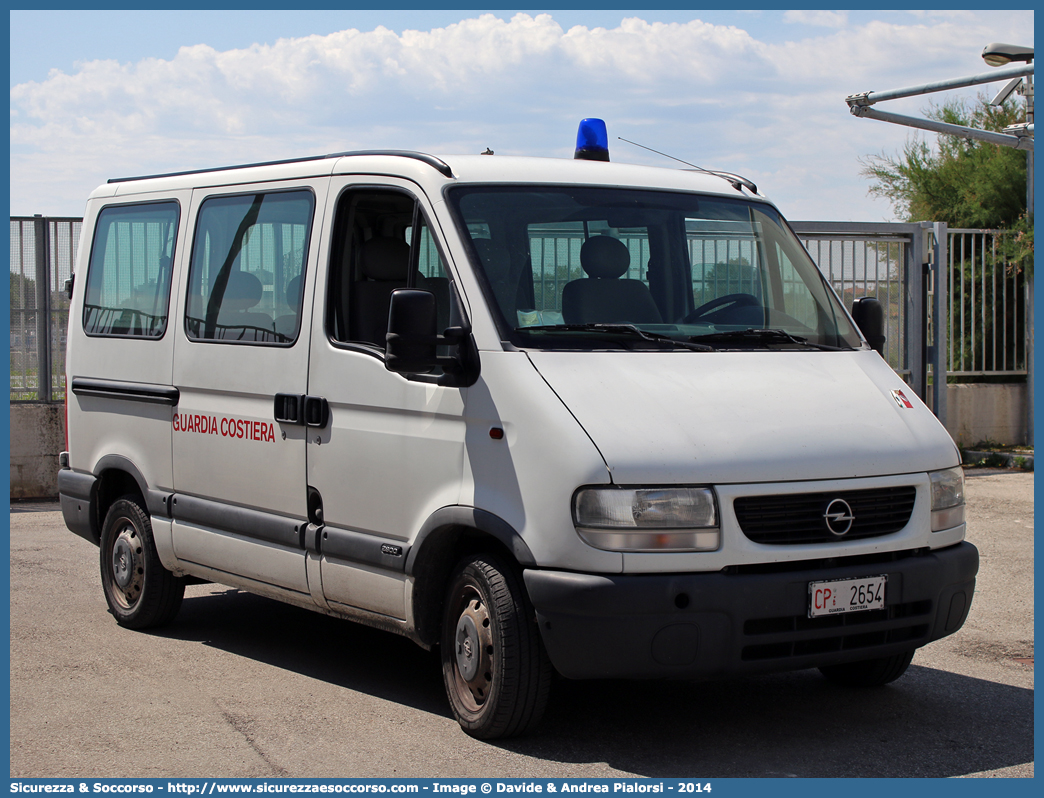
x: 380, y: 244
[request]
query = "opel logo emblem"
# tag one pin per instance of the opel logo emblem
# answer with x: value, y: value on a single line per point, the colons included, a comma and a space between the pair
x: 838, y: 517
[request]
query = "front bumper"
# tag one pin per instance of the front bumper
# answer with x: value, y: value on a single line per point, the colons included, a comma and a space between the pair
x: 716, y: 624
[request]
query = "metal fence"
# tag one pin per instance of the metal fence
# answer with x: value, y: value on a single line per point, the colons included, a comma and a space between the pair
x: 957, y: 302
x: 868, y: 260
x: 986, y: 308
x: 42, y: 255
x: 982, y: 301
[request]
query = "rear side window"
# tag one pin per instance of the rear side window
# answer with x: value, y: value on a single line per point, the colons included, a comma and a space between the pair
x: 128, y: 277
x: 246, y: 277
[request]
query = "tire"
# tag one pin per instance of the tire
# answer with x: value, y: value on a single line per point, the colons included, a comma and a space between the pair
x: 140, y: 592
x: 494, y: 666
x: 869, y: 672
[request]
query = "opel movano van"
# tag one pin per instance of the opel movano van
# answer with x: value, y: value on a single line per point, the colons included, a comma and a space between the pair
x: 546, y: 415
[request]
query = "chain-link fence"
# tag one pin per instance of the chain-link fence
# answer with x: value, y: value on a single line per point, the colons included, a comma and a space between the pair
x: 42, y: 254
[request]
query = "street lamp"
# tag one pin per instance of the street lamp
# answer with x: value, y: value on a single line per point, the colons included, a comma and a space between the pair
x: 998, y: 55
x: 1020, y: 137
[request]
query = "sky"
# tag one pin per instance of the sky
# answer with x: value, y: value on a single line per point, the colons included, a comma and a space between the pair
x: 100, y: 94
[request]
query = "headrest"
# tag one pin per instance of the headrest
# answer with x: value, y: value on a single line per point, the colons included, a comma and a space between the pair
x: 604, y: 257
x: 242, y: 291
x: 385, y: 259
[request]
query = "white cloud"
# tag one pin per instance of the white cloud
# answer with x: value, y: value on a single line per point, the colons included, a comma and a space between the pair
x: 822, y: 19
x: 712, y: 94
x: 945, y: 13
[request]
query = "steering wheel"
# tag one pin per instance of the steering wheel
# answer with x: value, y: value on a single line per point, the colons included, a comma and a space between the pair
x: 736, y: 300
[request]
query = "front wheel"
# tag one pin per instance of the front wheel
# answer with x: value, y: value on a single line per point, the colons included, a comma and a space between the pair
x: 140, y: 592
x: 869, y: 672
x: 494, y: 665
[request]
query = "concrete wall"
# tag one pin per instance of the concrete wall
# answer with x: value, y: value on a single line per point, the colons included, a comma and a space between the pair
x: 980, y: 412
x: 37, y: 436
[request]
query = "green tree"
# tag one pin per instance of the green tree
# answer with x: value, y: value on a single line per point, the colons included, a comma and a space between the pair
x: 969, y: 184
x: 962, y: 182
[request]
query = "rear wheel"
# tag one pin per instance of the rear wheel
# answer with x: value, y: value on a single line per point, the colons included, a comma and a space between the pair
x: 869, y: 672
x: 494, y: 666
x: 140, y: 592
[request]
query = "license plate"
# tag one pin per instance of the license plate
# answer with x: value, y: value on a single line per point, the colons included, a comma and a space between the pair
x: 846, y: 595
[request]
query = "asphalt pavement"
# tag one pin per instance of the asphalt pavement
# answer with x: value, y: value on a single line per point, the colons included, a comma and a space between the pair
x: 242, y: 686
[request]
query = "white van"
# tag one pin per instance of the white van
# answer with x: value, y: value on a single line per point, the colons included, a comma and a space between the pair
x: 547, y: 415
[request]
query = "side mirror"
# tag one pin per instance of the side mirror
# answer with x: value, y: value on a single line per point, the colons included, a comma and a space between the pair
x: 868, y: 314
x: 412, y: 332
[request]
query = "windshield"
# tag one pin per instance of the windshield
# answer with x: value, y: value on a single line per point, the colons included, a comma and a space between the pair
x: 583, y: 267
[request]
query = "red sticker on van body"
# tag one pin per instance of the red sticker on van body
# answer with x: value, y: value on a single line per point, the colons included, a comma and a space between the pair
x: 225, y: 427
x: 901, y: 400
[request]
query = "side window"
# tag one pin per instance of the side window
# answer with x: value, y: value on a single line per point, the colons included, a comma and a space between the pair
x: 382, y: 242
x: 128, y: 277
x: 432, y: 274
x: 247, y: 269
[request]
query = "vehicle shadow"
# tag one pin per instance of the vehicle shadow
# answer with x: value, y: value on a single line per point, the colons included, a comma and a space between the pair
x: 930, y: 723
x: 332, y: 650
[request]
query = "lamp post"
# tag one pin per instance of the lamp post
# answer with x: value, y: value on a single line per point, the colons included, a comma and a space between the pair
x: 1020, y: 137
x: 998, y: 54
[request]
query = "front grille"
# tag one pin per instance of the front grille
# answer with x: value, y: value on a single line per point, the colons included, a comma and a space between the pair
x: 801, y: 517
x: 789, y: 566
x: 798, y: 635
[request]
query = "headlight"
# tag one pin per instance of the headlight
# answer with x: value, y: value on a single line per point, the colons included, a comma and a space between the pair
x: 947, y: 498
x: 647, y: 519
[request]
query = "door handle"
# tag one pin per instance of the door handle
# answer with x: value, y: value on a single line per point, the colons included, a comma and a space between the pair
x: 316, y: 411
x: 309, y: 411
x: 289, y: 408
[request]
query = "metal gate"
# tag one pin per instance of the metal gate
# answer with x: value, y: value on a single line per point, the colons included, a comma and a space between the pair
x: 42, y: 255
x: 957, y: 302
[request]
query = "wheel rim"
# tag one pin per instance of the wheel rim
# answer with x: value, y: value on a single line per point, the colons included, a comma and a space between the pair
x: 128, y: 568
x: 473, y: 652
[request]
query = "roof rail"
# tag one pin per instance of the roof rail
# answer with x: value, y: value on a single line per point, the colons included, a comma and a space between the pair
x: 441, y: 166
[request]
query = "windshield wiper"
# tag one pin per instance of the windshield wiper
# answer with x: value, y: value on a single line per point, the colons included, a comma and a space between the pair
x: 764, y: 335
x: 627, y: 329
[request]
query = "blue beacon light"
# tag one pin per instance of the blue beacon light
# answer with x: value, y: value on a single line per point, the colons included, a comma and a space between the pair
x: 592, y: 141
